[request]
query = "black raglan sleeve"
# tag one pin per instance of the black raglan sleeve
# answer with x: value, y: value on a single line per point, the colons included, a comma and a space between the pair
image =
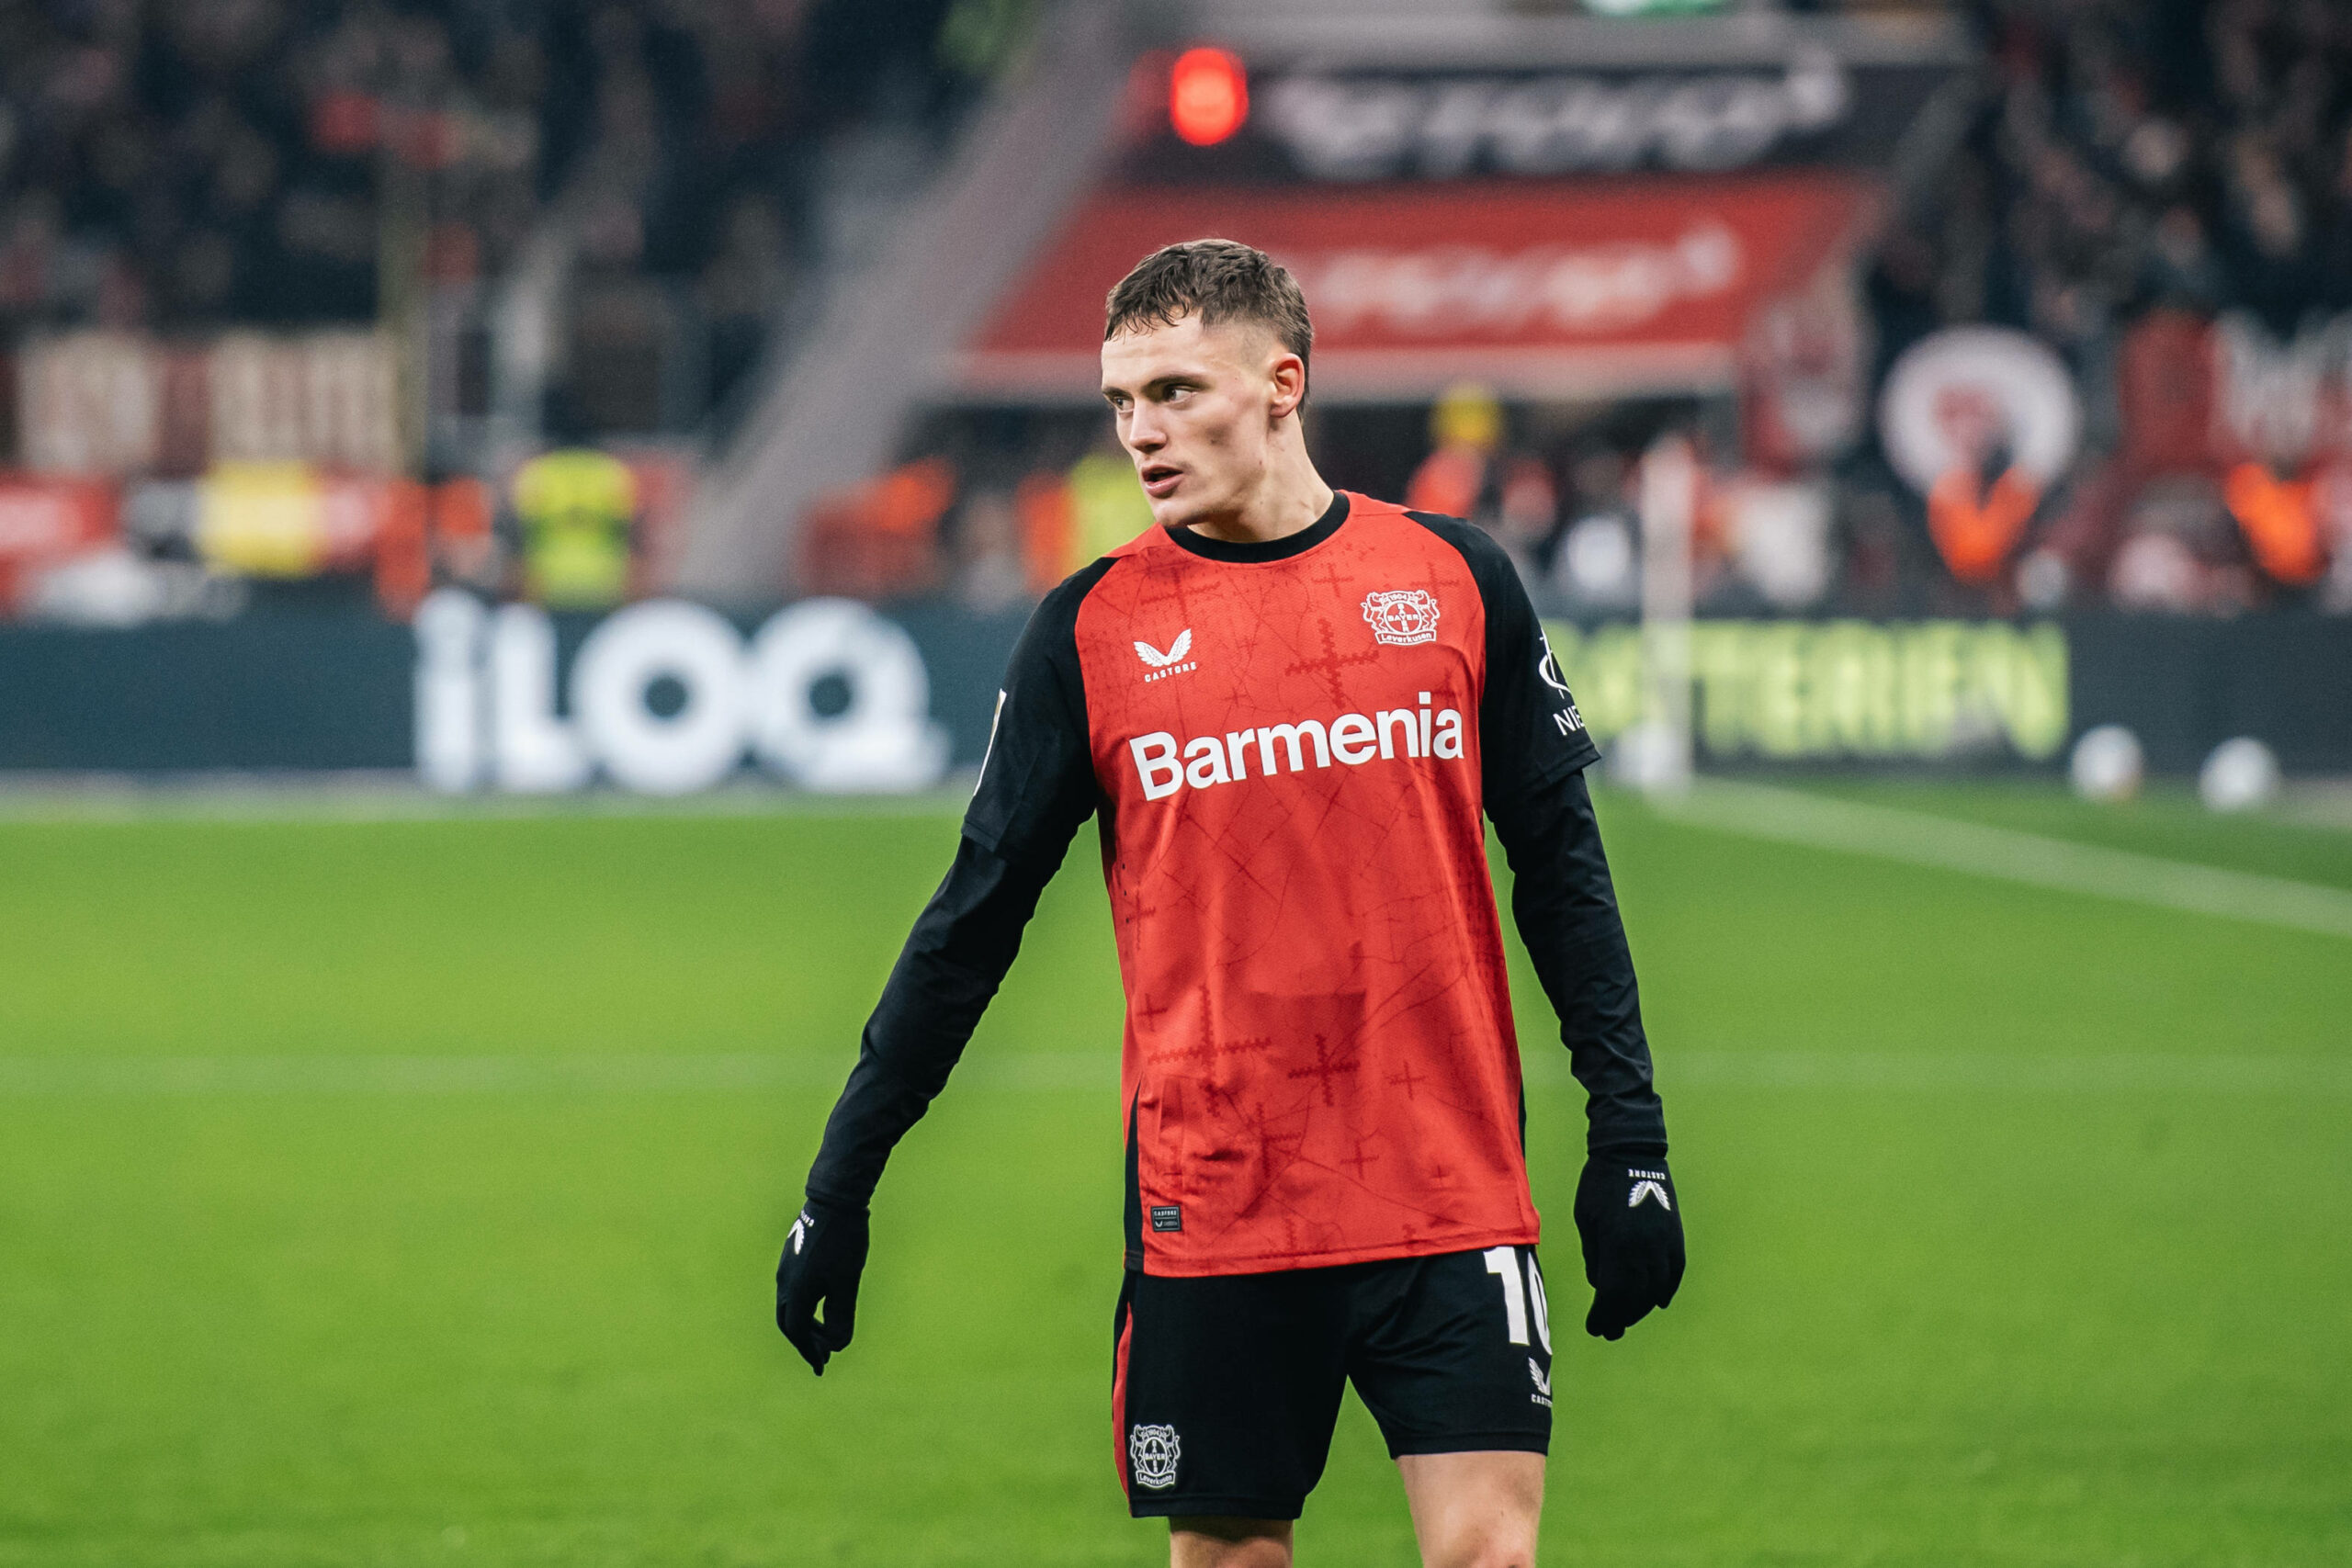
x: 1036, y: 787
x: 1535, y: 749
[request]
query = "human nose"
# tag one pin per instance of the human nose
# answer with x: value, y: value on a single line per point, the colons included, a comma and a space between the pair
x: 1143, y: 432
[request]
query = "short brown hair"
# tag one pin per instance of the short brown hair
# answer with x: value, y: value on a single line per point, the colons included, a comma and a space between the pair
x: 1221, y: 280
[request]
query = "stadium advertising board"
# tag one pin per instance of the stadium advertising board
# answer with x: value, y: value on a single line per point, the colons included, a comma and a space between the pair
x: 1311, y: 123
x: 116, y: 403
x: 667, y: 697
x: 1820, y: 690
x: 1558, y: 288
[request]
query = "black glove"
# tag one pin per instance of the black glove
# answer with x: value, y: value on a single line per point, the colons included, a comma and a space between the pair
x: 1632, y: 1239
x: 822, y: 1259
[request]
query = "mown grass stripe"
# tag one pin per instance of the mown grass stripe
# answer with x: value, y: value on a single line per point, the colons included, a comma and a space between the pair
x: 1918, y: 838
x: 234, y: 1077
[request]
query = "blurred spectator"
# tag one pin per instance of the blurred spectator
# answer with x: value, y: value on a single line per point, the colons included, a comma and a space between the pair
x: 1049, y: 531
x: 1596, y: 565
x: 880, y: 540
x: 465, y: 545
x: 990, y: 573
x: 2181, y: 551
x: 1777, y: 531
x: 1107, y: 506
x: 1465, y: 428
x: 1511, y: 495
x: 578, y: 512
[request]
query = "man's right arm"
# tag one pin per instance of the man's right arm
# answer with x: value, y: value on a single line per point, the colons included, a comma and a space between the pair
x: 1036, y: 787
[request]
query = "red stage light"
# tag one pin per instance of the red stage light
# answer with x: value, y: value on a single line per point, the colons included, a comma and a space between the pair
x: 1208, y: 95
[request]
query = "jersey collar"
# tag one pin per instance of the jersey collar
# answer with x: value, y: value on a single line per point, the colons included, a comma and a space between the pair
x: 1289, y: 544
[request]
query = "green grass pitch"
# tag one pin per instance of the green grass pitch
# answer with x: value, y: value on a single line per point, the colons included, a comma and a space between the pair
x: 373, y: 1316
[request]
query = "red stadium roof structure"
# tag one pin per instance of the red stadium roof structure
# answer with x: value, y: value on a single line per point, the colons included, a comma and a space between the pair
x: 1570, y: 288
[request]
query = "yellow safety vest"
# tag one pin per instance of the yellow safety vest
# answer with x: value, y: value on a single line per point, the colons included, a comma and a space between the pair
x: 577, y: 509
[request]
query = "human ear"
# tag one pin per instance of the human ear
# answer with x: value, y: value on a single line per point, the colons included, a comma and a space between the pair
x: 1288, y: 375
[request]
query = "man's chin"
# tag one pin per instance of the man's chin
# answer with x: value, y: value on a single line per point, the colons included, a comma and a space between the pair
x: 1178, y: 511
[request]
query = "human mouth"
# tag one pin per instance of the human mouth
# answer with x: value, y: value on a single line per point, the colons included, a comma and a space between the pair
x: 1160, y: 479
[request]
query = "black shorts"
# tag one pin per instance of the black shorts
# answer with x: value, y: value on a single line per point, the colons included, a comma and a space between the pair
x: 1225, y: 1389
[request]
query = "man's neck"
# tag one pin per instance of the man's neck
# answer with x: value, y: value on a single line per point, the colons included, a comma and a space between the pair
x: 1292, y: 498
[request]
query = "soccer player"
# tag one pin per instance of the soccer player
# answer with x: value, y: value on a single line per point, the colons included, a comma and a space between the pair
x: 1287, y: 709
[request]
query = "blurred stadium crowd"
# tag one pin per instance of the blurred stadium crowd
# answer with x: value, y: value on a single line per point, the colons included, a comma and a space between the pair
x: 184, y: 168
x: 2160, y: 193
x: 217, y: 222
x: 218, y: 219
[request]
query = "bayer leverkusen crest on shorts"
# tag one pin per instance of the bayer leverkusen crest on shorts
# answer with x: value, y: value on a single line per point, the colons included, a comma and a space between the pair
x: 1152, y: 1453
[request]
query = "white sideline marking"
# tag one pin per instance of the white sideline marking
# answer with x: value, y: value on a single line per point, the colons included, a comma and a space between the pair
x: 375, y: 797
x: 47, y: 1077
x: 644, y: 1073
x: 2117, y: 1073
x: 1792, y: 816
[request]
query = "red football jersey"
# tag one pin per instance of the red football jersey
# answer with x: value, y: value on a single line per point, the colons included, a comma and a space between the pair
x: 1289, y: 746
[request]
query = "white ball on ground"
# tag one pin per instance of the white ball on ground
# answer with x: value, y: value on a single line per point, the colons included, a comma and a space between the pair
x: 2107, y: 763
x: 2241, y: 776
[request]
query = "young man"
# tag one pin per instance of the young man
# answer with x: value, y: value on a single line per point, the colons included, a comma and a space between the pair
x: 1288, y: 708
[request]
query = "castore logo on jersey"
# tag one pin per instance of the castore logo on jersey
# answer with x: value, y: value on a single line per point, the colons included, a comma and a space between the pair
x: 1163, y: 665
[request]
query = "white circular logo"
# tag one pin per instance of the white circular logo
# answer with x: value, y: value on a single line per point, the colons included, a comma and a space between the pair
x: 1152, y: 1453
x: 1958, y: 394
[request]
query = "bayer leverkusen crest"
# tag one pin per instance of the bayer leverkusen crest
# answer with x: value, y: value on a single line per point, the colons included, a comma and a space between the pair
x: 1152, y: 1453
x: 1405, y: 615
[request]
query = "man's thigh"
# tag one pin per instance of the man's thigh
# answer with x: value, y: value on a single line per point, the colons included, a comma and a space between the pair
x: 1225, y: 1393
x: 1480, y: 1508
x: 1229, y: 1543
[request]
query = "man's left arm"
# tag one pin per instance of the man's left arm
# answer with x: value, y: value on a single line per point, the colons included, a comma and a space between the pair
x: 1534, y: 749
x: 1566, y: 908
